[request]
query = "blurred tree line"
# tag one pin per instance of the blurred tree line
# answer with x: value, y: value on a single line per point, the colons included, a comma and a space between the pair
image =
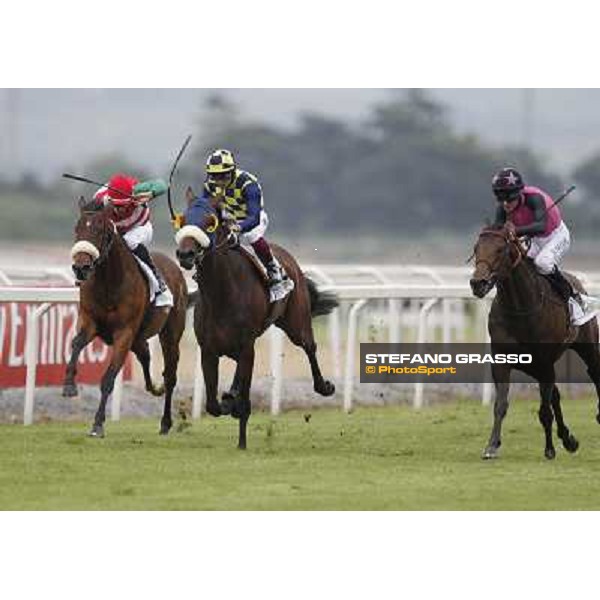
x: 32, y: 211
x: 404, y: 170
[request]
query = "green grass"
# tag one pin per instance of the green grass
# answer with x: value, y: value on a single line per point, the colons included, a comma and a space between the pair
x: 376, y: 458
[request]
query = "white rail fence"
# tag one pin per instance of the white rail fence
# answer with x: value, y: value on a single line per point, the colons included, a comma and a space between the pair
x: 358, y: 295
x: 434, y: 290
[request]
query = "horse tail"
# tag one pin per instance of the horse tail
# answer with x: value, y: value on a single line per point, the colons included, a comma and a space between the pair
x: 192, y: 299
x: 321, y: 303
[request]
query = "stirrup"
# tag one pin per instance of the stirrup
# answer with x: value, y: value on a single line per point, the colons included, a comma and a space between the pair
x: 275, y: 279
x: 281, y: 290
x: 274, y: 272
x: 582, y: 311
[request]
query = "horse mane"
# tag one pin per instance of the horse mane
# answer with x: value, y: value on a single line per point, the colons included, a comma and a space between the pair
x: 90, y: 206
x: 202, y: 205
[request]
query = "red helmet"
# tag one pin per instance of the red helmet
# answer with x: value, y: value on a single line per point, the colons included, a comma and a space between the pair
x: 120, y: 189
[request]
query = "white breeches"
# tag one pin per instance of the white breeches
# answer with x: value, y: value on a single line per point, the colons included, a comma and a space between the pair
x: 259, y: 231
x: 547, y: 252
x: 139, y: 235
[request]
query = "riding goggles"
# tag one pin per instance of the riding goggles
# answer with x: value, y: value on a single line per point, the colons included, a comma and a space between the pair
x: 507, y: 196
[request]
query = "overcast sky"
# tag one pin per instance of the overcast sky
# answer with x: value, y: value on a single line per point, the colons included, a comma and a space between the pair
x: 45, y: 131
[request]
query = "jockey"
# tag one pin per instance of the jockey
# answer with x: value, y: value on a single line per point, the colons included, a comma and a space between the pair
x: 529, y: 211
x: 131, y: 215
x: 237, y: 195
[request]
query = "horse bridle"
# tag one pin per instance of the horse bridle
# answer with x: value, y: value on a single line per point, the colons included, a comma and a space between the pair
x: 230, y: 240
x: 512, y: 241
x: 105, y: 246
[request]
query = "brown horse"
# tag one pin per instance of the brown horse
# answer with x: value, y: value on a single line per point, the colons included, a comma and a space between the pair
x: 528, y: 315
x: 115, y: 305
x: 234, y: 310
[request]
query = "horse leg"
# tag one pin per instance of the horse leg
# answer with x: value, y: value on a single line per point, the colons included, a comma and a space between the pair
x: 142, y: 352
x: 297, y: 324
x: 303, y: 337
x: 588, y: 352
x: 569, y: 441
x: 210, y: 370
x: 120, y: 348
x: 243, y: 407
x: 230, y: 398
x: 169, y: 342
x: 320, y: 385
x: 501, y: 377
x: 85, y: 335
x: 546, y: 416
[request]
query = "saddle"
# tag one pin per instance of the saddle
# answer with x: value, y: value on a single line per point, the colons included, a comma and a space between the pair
x: 249, y: 253
x: 278, y: 303
x: 566, y: 291
x: 286, y: 286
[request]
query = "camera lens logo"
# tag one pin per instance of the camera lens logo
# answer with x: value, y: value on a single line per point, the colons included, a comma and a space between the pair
x: 370, y: 369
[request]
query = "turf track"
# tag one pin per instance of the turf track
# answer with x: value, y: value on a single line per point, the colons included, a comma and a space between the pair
x: 374, y: 459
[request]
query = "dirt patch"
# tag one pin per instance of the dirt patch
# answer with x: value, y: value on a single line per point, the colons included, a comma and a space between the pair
x: 296, y: 394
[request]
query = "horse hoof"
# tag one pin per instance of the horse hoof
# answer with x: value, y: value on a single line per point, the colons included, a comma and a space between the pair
x: 228, y: 402
x: 70, y: 390
x: 598, y: 418
x: 156, y: 391
x: 97, y: 431
x: 231, y: 404
x: 490, y: 453
x: 550, y: 453
x: 326, y: 389
x: 571, y: 444
x: 214, y: 409
x: 164, y: 429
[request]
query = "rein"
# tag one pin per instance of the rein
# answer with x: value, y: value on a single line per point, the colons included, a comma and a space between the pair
x: 214, y: 249
x: 514, y: 242
x: 105, y: 246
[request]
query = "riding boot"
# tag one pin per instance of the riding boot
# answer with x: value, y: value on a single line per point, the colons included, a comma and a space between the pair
x: 280, y: 283
x: 142, y: 253
x: 562, y: 285
x: 271, y: 264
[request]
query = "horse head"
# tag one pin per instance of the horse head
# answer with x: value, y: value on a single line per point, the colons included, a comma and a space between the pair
x: 497, y: 252
x: 94, y: 234
x: 194, y: 241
